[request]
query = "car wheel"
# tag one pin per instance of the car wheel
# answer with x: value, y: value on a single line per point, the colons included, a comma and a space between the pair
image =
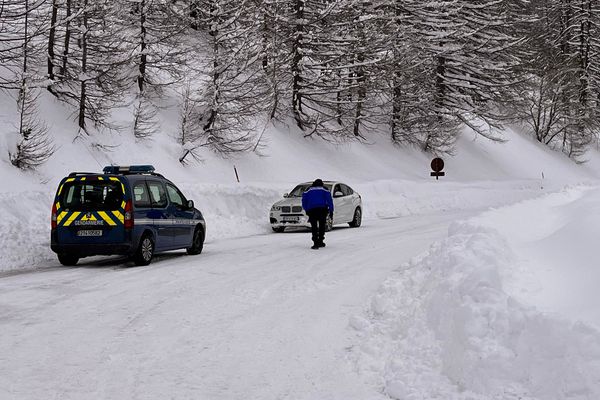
x: 68, y: 259
x: 197, y: 242
x: 278, y: 229
x: 145, y: 251
x: 357, y: 220
x: 329, y: 223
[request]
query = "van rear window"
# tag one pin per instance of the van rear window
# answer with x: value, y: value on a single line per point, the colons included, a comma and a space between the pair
x: 92, y: 196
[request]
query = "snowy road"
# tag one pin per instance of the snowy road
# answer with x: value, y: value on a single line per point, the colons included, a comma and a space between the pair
x: 261, y: 317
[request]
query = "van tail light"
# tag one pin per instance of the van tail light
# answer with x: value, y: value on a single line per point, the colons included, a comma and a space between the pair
x: 128, y: 220
x: 53, y: 219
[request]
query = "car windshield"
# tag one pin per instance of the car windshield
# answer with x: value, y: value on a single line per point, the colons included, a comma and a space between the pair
x: 92, y: 196
x: 300, y: 189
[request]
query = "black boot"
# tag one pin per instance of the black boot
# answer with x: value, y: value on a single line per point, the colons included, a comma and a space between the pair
x: 315, y: 246
x: 321, y: 244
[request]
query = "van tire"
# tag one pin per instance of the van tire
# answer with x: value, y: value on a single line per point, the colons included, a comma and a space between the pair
x: 68, y: 260
x: 197, y: 242
x: 145, y: 251
x: 278, y: 229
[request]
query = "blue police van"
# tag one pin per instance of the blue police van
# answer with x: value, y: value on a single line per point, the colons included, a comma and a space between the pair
x: 126, y: 210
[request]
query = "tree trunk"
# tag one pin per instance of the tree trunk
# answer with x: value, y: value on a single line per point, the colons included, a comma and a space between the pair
x: 24, y: 77
x: 82, y: 96
x: 143, y: 57
x: 297, y: 58
x: 396, y: 85
x: 214, y: 32
x: 65, y: 55
x: 51, y: 40
x: 362, y: 94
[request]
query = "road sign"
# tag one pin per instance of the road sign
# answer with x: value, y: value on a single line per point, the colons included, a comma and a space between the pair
x: 437, y: 165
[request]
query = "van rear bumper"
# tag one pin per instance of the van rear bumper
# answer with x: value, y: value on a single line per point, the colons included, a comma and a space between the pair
x: 85, y: 250
x: 91, y: 249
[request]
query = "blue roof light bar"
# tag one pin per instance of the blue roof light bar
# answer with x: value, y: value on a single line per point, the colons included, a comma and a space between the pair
x: 128, y: 169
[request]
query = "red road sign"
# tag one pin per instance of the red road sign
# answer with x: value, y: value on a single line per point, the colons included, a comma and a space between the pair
x: 437, y: 164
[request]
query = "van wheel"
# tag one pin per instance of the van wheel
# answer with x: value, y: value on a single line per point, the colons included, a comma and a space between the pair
x: 278, y: 229
x: 197, y: 242
x: 145, y: 251
x: 357, y: 220
x: 68, y: 259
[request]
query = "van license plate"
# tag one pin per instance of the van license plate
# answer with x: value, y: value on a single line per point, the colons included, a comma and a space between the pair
x: 291, y: 219
x: 89, y: 232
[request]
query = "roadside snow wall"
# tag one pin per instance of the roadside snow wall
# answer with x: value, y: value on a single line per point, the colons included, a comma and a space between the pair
x: 243, y: 209
x: 443, y: 328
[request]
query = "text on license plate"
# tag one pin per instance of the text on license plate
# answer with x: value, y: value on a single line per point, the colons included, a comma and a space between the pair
x: 291, y: 219
x: 89, y: 232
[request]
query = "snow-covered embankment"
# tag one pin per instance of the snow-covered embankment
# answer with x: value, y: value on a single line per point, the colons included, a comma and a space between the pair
x: 235, y: 210
x: 451, y: 324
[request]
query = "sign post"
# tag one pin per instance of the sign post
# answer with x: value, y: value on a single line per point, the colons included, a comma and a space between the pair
x: 437, y: 165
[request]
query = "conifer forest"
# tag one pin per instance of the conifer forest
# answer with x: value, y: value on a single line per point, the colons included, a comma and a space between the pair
x: 416, y: 71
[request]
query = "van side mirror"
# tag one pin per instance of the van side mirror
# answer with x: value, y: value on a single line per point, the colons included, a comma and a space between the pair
x: 338, y: 194
x: 190, y: 204
x: 286, y: 195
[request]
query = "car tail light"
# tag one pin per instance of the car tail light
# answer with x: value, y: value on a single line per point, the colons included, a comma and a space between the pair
x: 128, y: 215
x: 53, y: 219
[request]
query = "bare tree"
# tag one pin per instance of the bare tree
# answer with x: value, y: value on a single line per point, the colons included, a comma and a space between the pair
x: 34, y: 146
x: 145, y: 123
x: 559, y: 101
x: 96, y: 74
x: 189, y: 131
x: 155, y: 36
x: 236, y: 89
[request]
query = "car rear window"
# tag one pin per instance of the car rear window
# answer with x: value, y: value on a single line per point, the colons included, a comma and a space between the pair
x: 92, y: 196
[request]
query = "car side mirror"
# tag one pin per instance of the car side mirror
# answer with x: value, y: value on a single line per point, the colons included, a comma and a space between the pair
x: 338, y: 194
x: 190, y: 204
x: 286, y: 195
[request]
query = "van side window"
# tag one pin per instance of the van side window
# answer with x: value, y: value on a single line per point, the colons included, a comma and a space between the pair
x: 157, y: 194
x: 175, y: 195
x: 140, y: 195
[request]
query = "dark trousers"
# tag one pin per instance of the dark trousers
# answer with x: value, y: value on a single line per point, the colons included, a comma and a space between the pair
x: 318, y: 221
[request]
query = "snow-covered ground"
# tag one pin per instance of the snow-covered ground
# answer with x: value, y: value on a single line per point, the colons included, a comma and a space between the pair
x: 506, y: 307
x: 478, y: 286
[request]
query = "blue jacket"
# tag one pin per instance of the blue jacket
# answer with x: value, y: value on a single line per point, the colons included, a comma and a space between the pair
x: 315, y: 197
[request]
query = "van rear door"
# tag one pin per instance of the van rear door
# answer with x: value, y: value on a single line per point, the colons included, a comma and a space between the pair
x: 91, y: 210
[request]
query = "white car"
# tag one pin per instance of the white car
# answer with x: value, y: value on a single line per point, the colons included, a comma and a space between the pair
x: 347, y: 206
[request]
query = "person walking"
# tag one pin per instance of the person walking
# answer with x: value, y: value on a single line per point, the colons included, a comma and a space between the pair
x: 318, y: 203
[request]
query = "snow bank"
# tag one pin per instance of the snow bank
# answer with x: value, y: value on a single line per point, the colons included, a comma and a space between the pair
x: 25, y: 229
x: 242, y: 209
x: 443, y: 327
x: 556, y: 240
x: 399, y: 198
